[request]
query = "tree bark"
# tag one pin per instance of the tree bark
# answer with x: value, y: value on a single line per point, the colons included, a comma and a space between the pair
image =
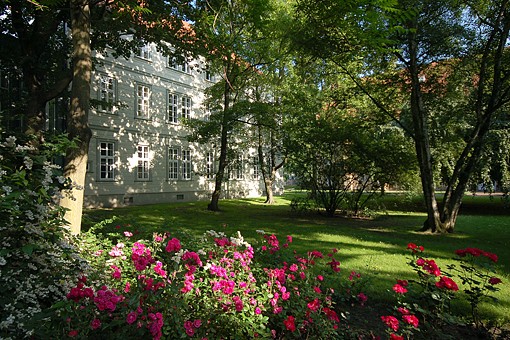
x: 222, y: 162
x: 77, y: 123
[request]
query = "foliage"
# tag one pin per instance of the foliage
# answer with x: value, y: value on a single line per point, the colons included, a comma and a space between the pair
x: 341, y: 152
x: 213, y: 287
x: 38, y: 259
x: 427, y: 301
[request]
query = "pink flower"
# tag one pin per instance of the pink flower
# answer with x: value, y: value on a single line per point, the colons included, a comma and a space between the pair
x: 494, y: 280
x: 293, y: 267
x: 289, y: 239
x: 410, y: 319
x: 116, y: 272
x: 391, y: 322
x: 320, y: 277
x: 131, y: 318
x: 403, y: 310
x: 399, y: 289
x: 158, y: 268
x: 446, y: 282
x: 257, y: 310
x: 197, y: 323
x: 173, y: 245
x: 95, y: 324
x: 289, y: 323
x: 128, y: 234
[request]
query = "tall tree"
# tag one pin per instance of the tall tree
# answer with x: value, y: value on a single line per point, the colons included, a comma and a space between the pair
x: 233, y: 33
x: 34, y: 42
x: 420, y: 34
x: 77, y: 120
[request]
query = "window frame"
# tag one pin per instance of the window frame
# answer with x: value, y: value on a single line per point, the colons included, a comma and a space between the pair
x: 101, y: 90
x: 143, y: 163
x: 143, y: 101
x: 110, y: 161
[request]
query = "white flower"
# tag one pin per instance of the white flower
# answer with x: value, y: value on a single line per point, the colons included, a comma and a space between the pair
x: 10, y: 141
x: 28, y: 162
x: 260, y: 232
x: 2, y: 261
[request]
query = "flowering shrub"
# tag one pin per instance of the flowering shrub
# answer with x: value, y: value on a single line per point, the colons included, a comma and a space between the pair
x: 476, y: 270
x: 37, y: 258
x: 429, y: 301
x: 216, y: 287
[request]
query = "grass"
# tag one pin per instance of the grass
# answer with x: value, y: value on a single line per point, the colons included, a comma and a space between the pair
x: 374, y: 247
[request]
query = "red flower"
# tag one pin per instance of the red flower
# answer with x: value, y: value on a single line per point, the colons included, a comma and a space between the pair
x: 411, y: 319
x: 289, y: 323
x: 72, y: 333
x: 399, y: 289
x: 314, y: 305
x: 396, y: 337
x: 429, y: 266
x: 391, y: 322
x: 494, y: 280
x: 403, y: 283
x: 362, y: 298
x: 446, y: 282
x: 331, y: 314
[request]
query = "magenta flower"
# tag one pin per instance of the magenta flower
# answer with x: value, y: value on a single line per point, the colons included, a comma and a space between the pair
x: 173, y: 245
x: 131, y: 318
x: 95, y: 324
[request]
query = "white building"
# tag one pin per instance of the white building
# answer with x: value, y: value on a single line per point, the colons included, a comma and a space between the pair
x: 139, y: 153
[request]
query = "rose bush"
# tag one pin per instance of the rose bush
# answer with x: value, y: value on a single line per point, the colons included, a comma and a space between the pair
x: 429, y: 297
x: 215, y: 287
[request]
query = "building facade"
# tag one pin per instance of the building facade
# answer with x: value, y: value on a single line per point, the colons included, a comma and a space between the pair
x: 139, y: 152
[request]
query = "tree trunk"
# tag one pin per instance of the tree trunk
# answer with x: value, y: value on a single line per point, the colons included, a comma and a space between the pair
x: 222, y: 164
x: 77, y: 124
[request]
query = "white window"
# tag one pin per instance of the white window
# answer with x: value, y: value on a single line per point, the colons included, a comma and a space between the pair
x: 209, y: 165
x: 186, y: 164
x: 173, y: 108
x: 173, y: 163
x: 208, y: 74
x: 106, y: 93
x: 179, y: 106
x: 143, y: 94
x: 256, y: 168
x: 144, y: 52
x: 179, y: 163
x: 142, y: 171
x: 186, y: 107
x: 107, y: 161
x: 179, y: 66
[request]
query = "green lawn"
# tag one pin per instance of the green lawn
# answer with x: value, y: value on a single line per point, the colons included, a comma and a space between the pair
x: 375, y: 247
